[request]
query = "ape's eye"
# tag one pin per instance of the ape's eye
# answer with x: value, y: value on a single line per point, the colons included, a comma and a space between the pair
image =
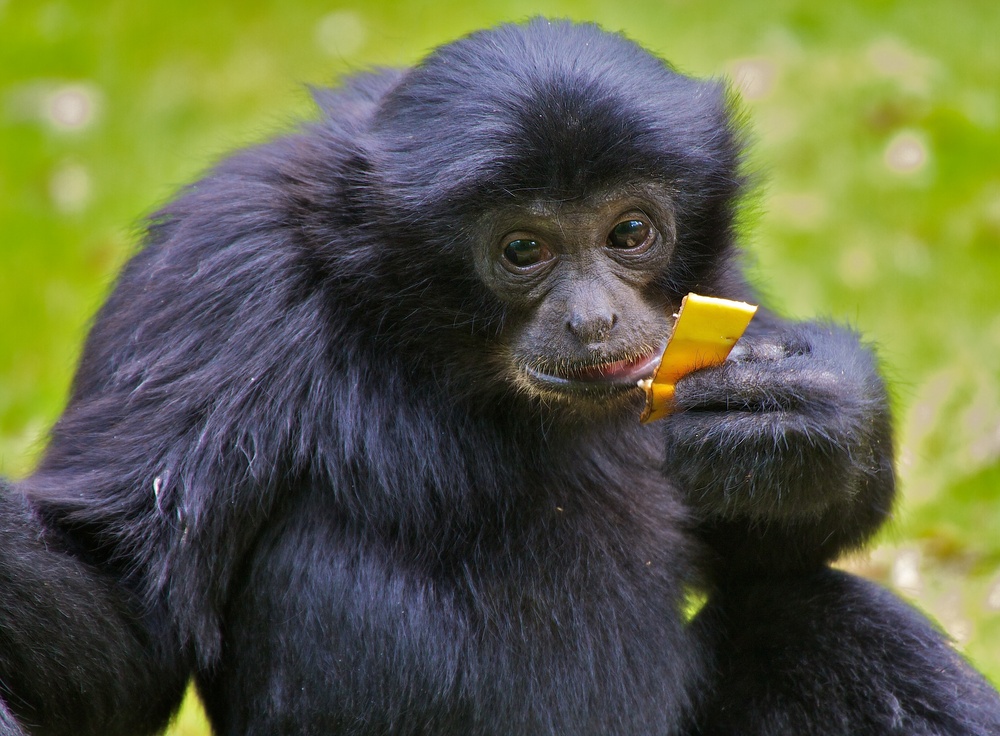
x: 525, y: 252
x: 631, y: 233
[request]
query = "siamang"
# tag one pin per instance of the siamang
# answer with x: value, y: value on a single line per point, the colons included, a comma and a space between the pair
x: 355, y: 441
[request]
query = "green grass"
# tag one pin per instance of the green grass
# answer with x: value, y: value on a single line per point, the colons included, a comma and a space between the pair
x: 878, y: 134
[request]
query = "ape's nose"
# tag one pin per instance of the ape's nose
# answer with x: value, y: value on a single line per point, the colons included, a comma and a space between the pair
x: 592, y: 325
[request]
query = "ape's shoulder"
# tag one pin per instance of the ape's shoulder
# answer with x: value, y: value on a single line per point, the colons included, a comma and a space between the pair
x: 287, y: 181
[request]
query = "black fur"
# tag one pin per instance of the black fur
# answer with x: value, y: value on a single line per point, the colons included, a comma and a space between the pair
x: 828, y: 653
x: 298, y: 463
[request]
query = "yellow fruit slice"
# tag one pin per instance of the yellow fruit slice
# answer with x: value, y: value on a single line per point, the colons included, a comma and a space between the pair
x: 705, y: 331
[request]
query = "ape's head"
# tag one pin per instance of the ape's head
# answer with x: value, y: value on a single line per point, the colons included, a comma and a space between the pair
x: 554, y: 191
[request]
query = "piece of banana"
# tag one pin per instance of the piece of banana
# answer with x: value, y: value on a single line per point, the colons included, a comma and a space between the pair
x: 705, y: 331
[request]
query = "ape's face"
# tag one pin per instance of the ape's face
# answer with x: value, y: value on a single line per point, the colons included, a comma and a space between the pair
x: 585, y: 321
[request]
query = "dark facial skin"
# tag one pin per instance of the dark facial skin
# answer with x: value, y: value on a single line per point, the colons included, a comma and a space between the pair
x: 577, y: 275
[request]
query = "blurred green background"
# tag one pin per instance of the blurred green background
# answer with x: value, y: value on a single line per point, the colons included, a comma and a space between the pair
x: 878, y: 134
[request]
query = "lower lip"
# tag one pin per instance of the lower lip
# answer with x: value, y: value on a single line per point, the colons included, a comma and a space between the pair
x: 620, y: 373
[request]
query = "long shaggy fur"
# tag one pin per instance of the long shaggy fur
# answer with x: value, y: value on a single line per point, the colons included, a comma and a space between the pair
x: 295, y: 462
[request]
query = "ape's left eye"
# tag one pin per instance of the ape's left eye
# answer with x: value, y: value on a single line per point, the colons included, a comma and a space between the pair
x: 630, y: 234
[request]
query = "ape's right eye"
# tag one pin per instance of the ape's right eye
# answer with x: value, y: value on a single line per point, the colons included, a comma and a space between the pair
x: 525, y: 252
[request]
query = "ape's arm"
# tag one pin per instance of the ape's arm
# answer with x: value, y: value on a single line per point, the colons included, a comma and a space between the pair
x: 76, y: 653
x: 786, y: 450
x: 786, y: 454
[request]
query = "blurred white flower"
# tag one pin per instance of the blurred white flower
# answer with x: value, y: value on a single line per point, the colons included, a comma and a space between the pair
x: 72, y: 106
x: 906, y: 153
x: 70, y: 188
x: 341, y: 33
x: 754, y: 77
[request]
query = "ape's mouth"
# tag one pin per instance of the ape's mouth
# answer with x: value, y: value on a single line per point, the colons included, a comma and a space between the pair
x: 619, y: 374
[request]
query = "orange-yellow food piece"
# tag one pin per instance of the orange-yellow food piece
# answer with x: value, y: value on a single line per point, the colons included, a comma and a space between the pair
x: 705, y: 331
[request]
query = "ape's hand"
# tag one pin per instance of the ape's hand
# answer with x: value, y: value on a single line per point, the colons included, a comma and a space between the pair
x: 785, y: 449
